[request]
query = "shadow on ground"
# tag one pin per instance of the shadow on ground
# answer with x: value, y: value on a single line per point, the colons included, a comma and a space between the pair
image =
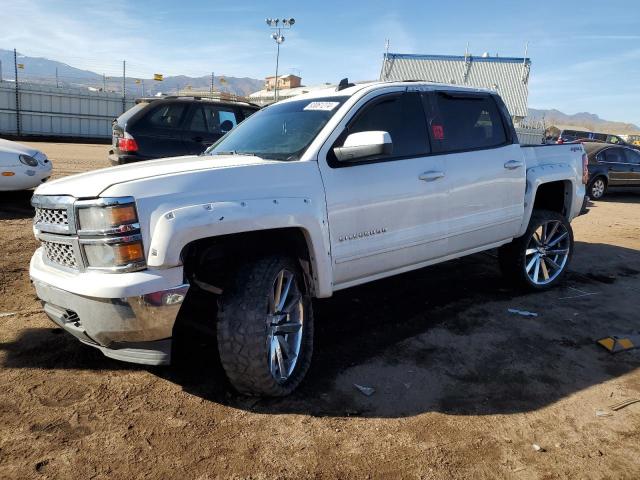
x: 439, y: 339
x: 16, y: 205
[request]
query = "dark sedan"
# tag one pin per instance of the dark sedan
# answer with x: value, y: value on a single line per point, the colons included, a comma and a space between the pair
x: 611, y: 166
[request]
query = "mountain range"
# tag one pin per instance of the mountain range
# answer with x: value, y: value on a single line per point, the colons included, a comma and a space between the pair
x: 44, y: 71
x: 585, y: 120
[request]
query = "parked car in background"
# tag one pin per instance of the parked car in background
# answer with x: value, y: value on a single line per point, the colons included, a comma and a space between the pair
x: 611, y: 166
x: 173, y: 126
x: 22, y: 167
x: 567, y: 136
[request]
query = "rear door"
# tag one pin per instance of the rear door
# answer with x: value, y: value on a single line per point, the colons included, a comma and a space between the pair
x: 633, y: 162
x: 485, y: 169
x: 206, y: 124
x: 616, y: 162
x: 159, y: 132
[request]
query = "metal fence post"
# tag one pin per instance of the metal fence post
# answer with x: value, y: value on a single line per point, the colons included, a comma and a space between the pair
x: 124, y: 85
x: 15, y: 67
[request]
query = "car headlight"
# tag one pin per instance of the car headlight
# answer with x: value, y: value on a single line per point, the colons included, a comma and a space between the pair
x: 28, y: 160
x: 113, y: 255
x: 108, y: 219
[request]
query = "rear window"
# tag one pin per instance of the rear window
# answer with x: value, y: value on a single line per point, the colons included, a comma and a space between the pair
x: 167, y: 115
x: 124, y: 118
x: 466, y: 122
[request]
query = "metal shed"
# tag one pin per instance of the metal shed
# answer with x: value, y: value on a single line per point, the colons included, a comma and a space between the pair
x: 509, y: 76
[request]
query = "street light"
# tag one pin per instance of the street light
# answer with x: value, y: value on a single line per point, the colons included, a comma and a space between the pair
x: 277, y: 26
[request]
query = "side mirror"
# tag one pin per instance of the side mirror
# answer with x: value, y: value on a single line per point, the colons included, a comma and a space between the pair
x: 364, y: 144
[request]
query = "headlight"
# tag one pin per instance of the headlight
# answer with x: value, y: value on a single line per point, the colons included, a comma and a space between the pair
x: 28, y: 160
x: 110, y: 255
x: 108, y: 219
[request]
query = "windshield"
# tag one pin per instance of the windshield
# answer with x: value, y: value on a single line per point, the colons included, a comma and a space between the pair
x: 282, y: 131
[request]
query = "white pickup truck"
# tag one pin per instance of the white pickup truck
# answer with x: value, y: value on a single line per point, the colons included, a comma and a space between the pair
x: 308, y: 196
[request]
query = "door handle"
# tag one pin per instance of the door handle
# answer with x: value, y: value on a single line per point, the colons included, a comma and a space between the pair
x: 513, y: 164
x: 431, y: 176
x: 197, y: 139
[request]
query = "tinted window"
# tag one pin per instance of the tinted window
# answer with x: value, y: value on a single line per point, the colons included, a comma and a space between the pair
x: 212, y: 119
x: 247, y: 112
x: 167, y: 115
x: 402, y: 117
x: 122, y: 119
x: 198, y: 123
x: 633, y: 156
x: 465, y: 123
x: 614, y: 155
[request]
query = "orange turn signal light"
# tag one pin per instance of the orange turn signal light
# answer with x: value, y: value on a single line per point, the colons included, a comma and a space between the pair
x: 122, y: 215
x: 126, y: 253
x: 8, y: 174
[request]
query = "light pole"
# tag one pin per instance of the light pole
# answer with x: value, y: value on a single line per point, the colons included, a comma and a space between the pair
x: 277, y: 26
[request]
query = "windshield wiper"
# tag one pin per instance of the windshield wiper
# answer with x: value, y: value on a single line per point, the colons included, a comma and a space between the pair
x: 235, y: 152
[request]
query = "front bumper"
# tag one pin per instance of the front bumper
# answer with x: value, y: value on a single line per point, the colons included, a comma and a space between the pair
x: 136, y: 329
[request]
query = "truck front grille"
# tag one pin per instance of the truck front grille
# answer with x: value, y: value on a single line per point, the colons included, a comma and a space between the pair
x: 60, y: 254
x: 52, y: 216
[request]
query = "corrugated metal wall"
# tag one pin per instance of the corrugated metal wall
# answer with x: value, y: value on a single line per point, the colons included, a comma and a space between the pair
x: 65, y: 112
x: 507, y: 76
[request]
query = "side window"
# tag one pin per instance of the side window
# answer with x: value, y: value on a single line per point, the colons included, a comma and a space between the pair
x: 198, y: 122
x: 247, y: 112
x: 633, y: 156
x: 402, y: 116
x: 166, y: 116
x: 465, y: 122
x: 219, y: 120
x: 614, y: 155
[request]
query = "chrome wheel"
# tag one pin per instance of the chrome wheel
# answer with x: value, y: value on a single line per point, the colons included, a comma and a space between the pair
x: 597, y: 188
x: 547, y: 252
x: 285, y: 325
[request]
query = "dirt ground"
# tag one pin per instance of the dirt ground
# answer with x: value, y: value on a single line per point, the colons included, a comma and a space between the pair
x: 463, y: 387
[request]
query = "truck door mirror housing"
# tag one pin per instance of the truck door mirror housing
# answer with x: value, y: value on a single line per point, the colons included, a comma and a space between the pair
x: 364, y: 144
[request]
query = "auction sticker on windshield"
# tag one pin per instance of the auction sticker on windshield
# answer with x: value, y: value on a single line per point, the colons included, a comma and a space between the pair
x: 323, y: 106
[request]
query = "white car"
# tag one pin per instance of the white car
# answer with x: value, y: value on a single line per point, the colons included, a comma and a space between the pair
x: 22, y: 167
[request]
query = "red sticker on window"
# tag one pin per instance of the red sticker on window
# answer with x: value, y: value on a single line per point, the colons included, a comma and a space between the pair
x: 438, y: 132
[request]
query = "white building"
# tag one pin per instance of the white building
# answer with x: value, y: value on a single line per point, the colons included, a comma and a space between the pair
x: 506, y: 75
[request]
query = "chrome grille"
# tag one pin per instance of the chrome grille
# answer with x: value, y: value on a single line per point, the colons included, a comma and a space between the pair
x: 60, y: 254
x: 52, y: 216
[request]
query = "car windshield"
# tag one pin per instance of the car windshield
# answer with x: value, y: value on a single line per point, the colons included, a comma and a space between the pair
x: 282, y: 131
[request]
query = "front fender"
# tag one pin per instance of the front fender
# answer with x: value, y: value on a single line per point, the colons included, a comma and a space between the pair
x: 177, y: 227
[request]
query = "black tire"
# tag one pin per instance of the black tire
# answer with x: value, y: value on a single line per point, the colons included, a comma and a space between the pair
x: 512, y: 256
x: 243, y: 328
x: 597, y: 187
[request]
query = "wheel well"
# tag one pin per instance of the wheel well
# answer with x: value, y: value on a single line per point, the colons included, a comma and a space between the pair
x: 554, y: 196
x: 600, y: 175
x: 212, y: 260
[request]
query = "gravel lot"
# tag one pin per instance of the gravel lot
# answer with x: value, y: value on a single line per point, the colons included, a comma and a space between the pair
x: 463, y: 388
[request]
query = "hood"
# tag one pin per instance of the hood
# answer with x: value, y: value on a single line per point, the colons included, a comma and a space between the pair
x: 7, y: 146
x: 92, y: 184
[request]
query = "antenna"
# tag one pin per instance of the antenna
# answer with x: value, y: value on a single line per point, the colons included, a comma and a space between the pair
x: 387, y: 43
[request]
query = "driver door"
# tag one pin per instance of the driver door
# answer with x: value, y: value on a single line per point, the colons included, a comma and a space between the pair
x: 385, y: 213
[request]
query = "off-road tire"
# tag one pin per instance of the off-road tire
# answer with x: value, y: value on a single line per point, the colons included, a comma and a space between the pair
x: 242, y: 328
x: 512, y: 255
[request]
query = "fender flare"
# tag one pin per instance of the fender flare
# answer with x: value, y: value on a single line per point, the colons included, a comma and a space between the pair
x: 543, y: 174
x: 173, y: 229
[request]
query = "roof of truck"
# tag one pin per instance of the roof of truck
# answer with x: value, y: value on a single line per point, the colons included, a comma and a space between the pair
x: 349, y: 91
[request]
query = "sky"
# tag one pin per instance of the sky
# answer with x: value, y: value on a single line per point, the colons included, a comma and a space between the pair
x: 585, y: 54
